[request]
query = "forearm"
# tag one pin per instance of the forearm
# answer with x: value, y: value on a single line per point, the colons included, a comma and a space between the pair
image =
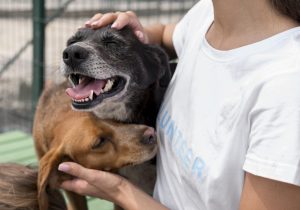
x: 162, y: 35
x: 261, y: 193
x: 132, y: 198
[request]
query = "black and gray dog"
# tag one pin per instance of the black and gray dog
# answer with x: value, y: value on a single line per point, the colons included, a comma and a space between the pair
x: 115, y: 76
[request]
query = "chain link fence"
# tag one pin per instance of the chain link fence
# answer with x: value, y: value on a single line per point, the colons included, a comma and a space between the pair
x: 63, y: 17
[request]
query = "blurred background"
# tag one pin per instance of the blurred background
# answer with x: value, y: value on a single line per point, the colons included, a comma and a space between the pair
x: 33, y: 36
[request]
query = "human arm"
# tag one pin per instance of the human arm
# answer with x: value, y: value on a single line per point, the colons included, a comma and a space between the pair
x: 107, y: 186
x: 265, y: 194
x: 160, y: 34
x: 272, y: 180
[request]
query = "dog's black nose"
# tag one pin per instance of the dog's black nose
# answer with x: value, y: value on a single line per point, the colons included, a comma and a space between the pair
x: 149, y: 137
x: 74, y: 55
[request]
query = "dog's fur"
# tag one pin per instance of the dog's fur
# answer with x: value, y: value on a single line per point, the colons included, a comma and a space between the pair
x: 144, y: 69
x: 108, y: 53
x: 62, y: 134
x: 18, y: 189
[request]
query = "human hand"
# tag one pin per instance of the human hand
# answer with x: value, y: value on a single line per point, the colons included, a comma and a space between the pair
x: 107, y: 186
x: 118, y: 21
x: 91, y: 182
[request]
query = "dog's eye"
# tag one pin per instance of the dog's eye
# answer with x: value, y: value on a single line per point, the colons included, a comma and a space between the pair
x: 110, y: 43
x: 110, y: 40
x: 99, y: 142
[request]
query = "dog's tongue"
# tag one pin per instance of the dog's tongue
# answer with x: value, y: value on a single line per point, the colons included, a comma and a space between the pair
x: 83, y: 90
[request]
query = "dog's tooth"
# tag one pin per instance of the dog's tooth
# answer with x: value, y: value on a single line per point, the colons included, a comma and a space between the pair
x: 86, y: 99
x: 108, y: 85
x: 91, y: 95
x: 80, y: 80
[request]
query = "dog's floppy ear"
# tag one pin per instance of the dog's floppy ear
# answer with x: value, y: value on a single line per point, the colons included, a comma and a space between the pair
x: 157, y: 62
x: 47, y: 167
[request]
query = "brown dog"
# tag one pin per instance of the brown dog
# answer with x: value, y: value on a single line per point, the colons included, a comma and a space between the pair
x: 62, y: 134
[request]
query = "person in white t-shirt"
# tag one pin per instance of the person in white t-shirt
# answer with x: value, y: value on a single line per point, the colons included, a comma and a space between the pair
x: 229, y: 126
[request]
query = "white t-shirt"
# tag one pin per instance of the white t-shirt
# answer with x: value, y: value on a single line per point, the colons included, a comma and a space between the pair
x: 227, y: 112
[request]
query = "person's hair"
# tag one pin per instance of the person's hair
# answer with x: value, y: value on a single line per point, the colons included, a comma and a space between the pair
x: 290, y: 8
x: 18, y: 189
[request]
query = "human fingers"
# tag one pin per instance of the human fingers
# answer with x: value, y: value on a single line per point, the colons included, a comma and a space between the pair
x: 104, y: 179
x: 104, y: 20
x: 81, y: 187
x: 85, y: 179
x: 120, y: 19
x: 126, y: 18
x: 93, y: 19
x: 129, y: 18
x: 78, y: 171
x: 91, y: 182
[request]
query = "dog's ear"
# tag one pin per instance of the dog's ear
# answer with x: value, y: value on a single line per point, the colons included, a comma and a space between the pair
x: 156, y: 62
x: 47, y: 168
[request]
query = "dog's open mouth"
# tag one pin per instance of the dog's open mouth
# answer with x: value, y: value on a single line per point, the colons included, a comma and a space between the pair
x: 87, y: 92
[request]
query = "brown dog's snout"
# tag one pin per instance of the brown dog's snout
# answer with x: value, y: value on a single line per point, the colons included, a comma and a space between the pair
x: 149, y: 137
x: 74, y: 55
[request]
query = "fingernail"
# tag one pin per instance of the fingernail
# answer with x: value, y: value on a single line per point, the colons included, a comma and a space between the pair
x: 87, y: 22
x: 115, y: 25
x: 63, y: 167
x: 140, y: 35
x: 95, y: 23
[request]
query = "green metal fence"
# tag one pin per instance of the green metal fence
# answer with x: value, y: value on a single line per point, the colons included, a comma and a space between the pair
x: 33, y: 35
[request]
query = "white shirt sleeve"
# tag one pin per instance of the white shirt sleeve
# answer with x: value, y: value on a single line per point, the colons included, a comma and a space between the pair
x: 274, y: 145
x: 185, y: 27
